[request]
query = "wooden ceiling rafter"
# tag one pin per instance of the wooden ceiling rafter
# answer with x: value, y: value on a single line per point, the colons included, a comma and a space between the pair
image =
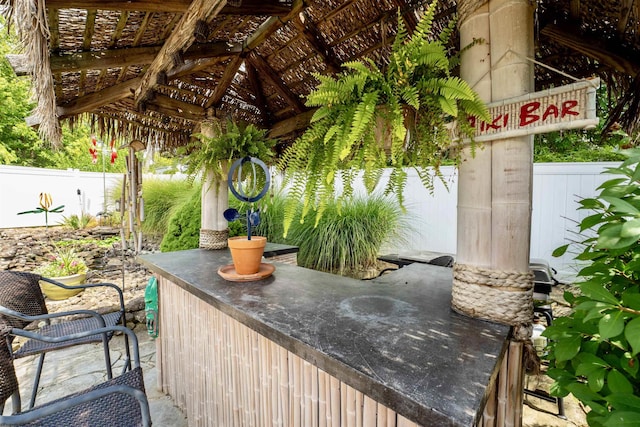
x: 274, y: 79
x: 626, y: 9
x: 223, y: 84
x: 592, y: 48
x: 168, y: 106
x: 180, y: 39
x: 256, y: 89
x: 142, y: 29
x: 249, y: 7
x: 312, y: 35
x: 117, y: 32
x: 117, y: 58
x: 54, y: 34
x: 97, y: 99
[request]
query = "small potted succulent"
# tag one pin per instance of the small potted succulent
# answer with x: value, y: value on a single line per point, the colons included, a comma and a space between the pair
x: 65, y: 266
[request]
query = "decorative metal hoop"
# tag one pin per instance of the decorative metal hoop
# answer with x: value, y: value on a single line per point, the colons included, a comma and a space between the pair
x: 239, y: 194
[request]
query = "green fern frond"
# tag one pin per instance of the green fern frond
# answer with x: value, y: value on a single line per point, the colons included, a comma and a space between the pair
x: 362, y: 121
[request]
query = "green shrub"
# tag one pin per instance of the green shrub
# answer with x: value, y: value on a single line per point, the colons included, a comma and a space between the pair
x: 594, y: 351
x: 78, y: 222
x: 348, y: 237
x: 161, y: 199
x: 184, y: 226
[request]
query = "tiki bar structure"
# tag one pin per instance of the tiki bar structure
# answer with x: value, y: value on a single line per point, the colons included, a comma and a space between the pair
x: 426, y: 345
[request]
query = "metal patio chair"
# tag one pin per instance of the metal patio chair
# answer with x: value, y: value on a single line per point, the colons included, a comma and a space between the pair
x: 22, y: 303
x: 120, y: 401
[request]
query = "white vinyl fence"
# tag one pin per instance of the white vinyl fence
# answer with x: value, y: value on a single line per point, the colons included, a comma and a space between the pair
x: 79, y: 192
x: 556, y: 189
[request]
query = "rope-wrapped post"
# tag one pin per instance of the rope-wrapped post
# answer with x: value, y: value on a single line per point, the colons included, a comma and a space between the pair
x: 499, y: 296
x: 213, y: 239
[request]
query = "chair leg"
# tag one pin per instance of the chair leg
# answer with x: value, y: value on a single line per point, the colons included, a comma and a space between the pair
x: 127, y: 364
x: 107, y: 356
x: 36, y: 381
x: 15, y: 402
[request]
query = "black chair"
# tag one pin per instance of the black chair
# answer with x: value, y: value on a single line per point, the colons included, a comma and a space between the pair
x: 22, y: 303
x: 120, y: 401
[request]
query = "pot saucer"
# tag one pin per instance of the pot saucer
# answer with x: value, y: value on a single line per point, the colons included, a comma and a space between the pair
x: 228, y: 272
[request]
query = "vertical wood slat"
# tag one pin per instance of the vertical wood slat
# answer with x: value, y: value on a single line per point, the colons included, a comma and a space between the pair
x: 221, y: 373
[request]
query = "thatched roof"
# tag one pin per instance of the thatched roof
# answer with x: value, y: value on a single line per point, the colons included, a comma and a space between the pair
x: 153, y: 69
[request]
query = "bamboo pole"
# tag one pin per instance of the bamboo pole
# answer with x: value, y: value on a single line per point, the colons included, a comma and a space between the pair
x: 215, y: 199
x: 495, y: 188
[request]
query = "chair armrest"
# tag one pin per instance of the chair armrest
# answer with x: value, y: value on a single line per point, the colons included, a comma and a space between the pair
x: 89, y: 285
x: 132, y: 336
x: 17, y: 314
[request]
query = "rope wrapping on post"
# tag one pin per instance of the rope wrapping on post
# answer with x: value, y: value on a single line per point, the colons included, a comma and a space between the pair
x: 213, y: 239
x: 500, y: 296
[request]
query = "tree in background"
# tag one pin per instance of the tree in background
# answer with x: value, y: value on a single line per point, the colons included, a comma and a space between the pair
x: 19, y: 144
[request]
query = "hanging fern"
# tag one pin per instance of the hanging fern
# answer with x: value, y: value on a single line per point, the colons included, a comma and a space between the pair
x: 364, y: 114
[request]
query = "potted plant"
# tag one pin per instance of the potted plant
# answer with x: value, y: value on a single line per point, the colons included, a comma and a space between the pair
x: 211, y: 153
x: 246, y: 251
x: 65, y: 267
x: 372, y: 118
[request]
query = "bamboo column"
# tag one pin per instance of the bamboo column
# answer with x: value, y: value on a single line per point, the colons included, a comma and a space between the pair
x: 214, y: 229
x: 491, y: 277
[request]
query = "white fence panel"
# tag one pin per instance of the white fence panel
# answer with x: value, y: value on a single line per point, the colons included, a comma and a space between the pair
x: 21, y: 186
x: 556, y: 189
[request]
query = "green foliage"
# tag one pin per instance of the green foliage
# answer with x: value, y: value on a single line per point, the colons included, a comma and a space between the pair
x: 232, y: 142
x: 184, y: 226
x: 64, y: 262
x: 364, y: 105
x: 19, y: 144
x: 74, y: 153
x: 162, y: 197
x: 78, y: 222
x: 594, y: 352
x: 349, y: 235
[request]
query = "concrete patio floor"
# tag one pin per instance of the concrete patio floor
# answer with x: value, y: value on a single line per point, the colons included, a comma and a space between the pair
x: 77, y: 368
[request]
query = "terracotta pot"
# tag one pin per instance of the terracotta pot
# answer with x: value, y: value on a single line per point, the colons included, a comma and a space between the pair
x: 247, y: 254
x: 57, y: 293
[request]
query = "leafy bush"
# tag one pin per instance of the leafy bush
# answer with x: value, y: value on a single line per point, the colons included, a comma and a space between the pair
x: 184, y: 226
x: 78, y: 222
x: 348, y: 236
x: 593, y: 352
x: 161, y: 199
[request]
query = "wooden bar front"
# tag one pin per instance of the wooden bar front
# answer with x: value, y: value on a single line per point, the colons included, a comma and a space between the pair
x: 304, y: 348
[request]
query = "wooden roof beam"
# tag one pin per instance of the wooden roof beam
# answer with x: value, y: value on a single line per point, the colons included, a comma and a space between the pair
x: 274, y: 79
x: 292, y: 124
x: 98, y: 99
x: 248, y: 7
x: 625, y: 13
x: 256, y: 89
x: 116, y: 58
x: 181, y: 38
x: 592, y: 48
x: 224, y: 83
x: 174, y: 108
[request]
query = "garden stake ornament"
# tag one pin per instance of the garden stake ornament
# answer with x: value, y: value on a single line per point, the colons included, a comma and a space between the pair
x: 247, y: 194
x: 45, y: 204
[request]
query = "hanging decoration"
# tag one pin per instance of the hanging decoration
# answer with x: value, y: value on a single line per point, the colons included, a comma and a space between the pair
x: 114, y: 151
x: 93, y: 150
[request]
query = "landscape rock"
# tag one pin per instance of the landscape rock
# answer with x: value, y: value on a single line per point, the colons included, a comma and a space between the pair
x: 23, y: 249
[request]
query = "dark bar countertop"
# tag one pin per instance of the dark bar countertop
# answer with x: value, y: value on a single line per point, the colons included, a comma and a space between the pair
x: 394, y: 338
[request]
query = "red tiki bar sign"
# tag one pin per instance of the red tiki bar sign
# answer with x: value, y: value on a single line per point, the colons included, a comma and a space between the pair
x: 566, y: 107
